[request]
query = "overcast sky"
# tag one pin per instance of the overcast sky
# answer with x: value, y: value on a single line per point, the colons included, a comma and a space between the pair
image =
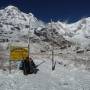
x: 71, y: 10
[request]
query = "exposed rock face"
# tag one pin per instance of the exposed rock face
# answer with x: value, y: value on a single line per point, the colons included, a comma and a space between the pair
x: 52, y: 36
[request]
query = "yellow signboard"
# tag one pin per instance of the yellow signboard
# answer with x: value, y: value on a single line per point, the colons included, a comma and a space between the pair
x: 18, y: 53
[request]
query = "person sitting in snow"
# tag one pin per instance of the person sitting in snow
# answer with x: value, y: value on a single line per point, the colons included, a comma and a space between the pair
x: 32, y: 63
x: 33, y: 67
x: 28, y: 66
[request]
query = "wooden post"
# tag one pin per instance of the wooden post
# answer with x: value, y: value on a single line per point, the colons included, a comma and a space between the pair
x: 10, y: 66
x: 53, y: 63
x: 29, y: 37
x: 9, y: 59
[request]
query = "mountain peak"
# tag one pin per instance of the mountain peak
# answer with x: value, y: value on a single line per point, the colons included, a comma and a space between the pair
x: 11, y: 7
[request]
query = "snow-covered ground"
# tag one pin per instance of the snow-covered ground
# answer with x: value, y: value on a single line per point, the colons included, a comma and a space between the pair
x: 62, y: 78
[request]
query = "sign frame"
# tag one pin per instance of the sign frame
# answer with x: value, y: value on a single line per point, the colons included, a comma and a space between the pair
x: 18, y: 53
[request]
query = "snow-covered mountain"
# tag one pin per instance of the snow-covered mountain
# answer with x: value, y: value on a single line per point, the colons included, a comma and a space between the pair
x: 14, y: 25
x: 77, y: 33
x: 13, y: 16
x: 14, y: 22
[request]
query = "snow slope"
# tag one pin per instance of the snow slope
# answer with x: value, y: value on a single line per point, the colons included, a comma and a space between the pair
x: 62, y: 78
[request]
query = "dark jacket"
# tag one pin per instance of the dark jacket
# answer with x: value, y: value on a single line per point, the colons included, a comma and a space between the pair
x: 27, y: 66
